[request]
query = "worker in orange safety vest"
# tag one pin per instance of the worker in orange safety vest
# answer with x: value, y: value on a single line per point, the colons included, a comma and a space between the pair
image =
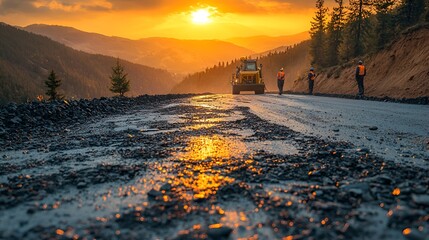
x: 281, y: 80
x: 311, y: 78
x: 360, y: 75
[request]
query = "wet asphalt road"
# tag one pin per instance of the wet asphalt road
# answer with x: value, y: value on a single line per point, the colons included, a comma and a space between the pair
x: 225, y: 167
x: 397, y: 132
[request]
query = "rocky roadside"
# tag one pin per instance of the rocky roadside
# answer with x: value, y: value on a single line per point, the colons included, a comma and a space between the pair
x: 20, y: 122
x: 215, y: 177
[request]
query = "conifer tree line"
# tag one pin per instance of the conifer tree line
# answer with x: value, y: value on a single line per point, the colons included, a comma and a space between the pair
x: 354, y: 28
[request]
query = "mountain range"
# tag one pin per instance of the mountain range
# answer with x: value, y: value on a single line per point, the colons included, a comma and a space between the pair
x: 26, y: 60
x: 174, y: 55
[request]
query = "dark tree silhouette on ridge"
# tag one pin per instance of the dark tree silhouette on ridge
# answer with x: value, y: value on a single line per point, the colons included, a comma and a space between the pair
x: 119, y: 81
x: 318, y: 34
x: 53, y: 83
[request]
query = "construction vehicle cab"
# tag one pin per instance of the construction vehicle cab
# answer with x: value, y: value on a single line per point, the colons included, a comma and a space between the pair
x: 248, y: 77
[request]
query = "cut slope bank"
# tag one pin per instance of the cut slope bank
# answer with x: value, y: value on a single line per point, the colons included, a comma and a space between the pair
x: 399, y: 71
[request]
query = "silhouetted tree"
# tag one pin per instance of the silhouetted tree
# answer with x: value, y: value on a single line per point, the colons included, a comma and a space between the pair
x: 410, y: 12
x: 358, y: 27
x: 335, y: 33
x: 317, y: 32
x: 427, y: 11
x: 385, y: 30
x: 119, y: 81
x: 53, y: 83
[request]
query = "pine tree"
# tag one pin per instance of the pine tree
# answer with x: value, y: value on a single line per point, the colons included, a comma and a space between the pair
x: 335, y: 33
x: 318, y: 32
x: 385, y: 30
x: 410, y: 12
x: 120, y: 83
x: 52, y: 84
x: 359, y: 26
x: 427, y: 11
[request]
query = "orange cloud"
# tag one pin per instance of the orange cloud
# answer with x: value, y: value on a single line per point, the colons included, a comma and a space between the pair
x: 72, y: 7
x: 158, y: 6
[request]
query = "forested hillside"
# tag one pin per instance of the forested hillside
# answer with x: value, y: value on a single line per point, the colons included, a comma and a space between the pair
x: 399, y: 71
x: 26, y: 60
x: 390, y: 36
x: 357, y: 28
x: 295, y: 60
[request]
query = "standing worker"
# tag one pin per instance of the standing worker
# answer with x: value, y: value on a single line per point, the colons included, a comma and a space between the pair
x: 311, y: 78
x: 281, y: 80
x: 360, y: 75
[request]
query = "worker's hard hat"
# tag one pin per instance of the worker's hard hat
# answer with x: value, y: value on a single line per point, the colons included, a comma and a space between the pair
x: 312, y: 69
x: 360, y: 62
x: 281, y: 69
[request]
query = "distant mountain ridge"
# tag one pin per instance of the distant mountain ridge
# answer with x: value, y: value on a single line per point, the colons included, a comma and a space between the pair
x: 174, y: 55
x: 262, y: 44
x: 26, y: 60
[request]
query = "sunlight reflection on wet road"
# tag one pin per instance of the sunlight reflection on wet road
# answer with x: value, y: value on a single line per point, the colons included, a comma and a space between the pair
x: 203, y: 155
x: 203, y: 166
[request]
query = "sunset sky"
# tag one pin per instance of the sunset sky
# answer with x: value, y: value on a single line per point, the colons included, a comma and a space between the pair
x: 187, y: 19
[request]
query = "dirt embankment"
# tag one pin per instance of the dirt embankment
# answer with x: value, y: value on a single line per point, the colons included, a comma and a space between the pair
x: 399, y: 71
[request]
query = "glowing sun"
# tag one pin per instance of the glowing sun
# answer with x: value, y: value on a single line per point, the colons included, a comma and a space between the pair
x: 201, y: 16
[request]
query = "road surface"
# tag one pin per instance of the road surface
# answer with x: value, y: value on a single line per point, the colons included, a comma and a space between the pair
x: 402, y: 133
x: 225, y: 167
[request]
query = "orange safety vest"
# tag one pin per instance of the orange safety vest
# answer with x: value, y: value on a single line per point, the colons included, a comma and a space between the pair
x: 313, y: 76
x: 281, y: 76
x: 361, y: 70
